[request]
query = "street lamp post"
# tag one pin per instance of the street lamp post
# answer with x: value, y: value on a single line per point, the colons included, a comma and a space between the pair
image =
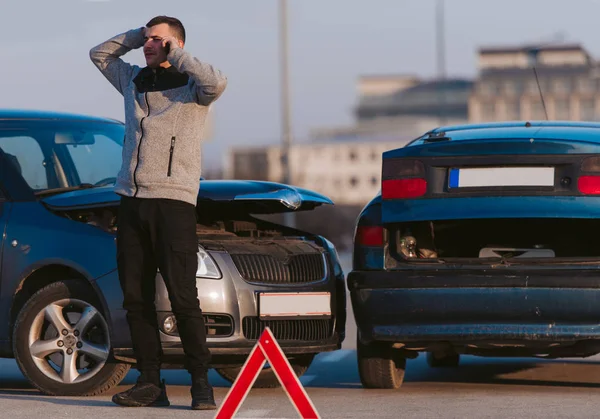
x: 286, y: 125
x: 441, y: 57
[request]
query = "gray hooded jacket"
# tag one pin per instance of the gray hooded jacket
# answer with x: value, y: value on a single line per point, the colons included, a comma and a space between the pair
x: 165, y: 113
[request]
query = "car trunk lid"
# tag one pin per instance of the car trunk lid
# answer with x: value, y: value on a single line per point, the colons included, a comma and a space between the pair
x: 483, y: 171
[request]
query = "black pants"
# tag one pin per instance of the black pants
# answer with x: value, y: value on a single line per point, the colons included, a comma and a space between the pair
x: 160, y: 233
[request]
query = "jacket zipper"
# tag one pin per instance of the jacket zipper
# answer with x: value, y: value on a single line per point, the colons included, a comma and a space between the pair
x: 171, y: 155
x: 137, y: 162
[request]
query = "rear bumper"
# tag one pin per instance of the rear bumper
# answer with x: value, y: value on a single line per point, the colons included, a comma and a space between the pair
x: 555, y: 306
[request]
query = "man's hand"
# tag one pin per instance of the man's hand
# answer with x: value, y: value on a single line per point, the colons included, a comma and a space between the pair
x: 171, y: 42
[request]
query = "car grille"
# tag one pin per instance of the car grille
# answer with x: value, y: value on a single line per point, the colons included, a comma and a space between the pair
x: 266, y: 269
x: 306, y: 330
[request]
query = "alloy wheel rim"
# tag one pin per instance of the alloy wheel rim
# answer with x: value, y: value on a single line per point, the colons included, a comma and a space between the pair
x: 69, y: 341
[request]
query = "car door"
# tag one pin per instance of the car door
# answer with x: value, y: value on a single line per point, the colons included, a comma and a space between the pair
x: 4, y: 211
x: 5, y: 207
x: 16, y: 150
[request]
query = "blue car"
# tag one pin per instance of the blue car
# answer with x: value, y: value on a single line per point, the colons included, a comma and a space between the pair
x: 482, y: 241
x: 60, y: 297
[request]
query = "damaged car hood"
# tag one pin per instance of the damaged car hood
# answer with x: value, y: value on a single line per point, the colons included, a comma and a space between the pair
x: 256, y: 197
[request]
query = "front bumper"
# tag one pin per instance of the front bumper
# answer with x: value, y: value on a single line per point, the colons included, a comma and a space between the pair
x: 236, y: 299
x: 524, y: 307
x: 223, y: 355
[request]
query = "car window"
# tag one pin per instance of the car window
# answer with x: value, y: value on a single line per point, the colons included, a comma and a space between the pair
x: 86, y: 158
x: 26, y: 156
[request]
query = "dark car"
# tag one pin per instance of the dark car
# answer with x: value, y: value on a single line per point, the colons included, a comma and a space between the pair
x: 482, y: 241
x: 60, y: 297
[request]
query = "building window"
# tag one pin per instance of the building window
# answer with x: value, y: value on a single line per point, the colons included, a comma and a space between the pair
x: 251, y: 165
x: 488, y: 87
x: 586, y: 85
x: 513, y: 87
x: 562, y: 109
x: 537, y: 110
x: 562, y: 85
x: 587, y: 111
x: 374, y: 180
x: 513, y: 110
x: 353, y: 181
x: 488, y: 111
x: 353, y: 155
x: 532, y: 87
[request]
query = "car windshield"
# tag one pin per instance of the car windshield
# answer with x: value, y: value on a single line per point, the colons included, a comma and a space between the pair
x: 57, y: 155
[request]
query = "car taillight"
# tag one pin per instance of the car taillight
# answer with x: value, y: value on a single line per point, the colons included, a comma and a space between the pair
x: 589, y: 181
x: 591, y: 165
x: 369, y: 236
x: 589, y: 185
x: 403, y: 188
x: 403, y: 179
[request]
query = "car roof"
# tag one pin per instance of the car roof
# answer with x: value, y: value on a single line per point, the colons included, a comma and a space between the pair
x: 27, y: 114
x: 564, y: 130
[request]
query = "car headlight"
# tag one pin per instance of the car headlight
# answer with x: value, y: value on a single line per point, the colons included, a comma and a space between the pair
x: 207, y: 268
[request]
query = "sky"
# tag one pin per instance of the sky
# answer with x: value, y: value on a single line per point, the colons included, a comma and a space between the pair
x: 45, y: 52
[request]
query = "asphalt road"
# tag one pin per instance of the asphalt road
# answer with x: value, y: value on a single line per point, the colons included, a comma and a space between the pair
x: 478, y: 388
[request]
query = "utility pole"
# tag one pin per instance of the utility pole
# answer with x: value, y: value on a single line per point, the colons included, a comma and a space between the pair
x: 286, y: 125
x: 441, y: 55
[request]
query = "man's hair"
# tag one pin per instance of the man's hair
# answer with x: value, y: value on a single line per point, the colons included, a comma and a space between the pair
x: 174, y: 23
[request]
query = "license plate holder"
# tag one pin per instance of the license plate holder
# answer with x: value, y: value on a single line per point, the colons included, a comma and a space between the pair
x: 500, y: 177
x: 293, y: 305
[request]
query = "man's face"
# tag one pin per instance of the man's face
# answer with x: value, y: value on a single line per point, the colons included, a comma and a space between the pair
x: 154, y: 51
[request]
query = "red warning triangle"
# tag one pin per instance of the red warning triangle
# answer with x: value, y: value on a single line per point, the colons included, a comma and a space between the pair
x: 267, y: 349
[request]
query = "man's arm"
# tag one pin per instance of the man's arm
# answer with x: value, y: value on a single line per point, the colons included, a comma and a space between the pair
x: 210, y: 82
x: 106, y: 57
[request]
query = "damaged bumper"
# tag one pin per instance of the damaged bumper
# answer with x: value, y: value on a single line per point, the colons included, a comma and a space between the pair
x: 489, y: 308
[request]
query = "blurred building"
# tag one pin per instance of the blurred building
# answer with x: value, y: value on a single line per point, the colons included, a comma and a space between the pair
x: 344, y: 163
x: 506, y: 88
x: 349, y: 173
x: 408, y: 96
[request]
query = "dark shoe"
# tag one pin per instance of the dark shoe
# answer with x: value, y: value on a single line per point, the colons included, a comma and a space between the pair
x: 140, y: 395
x: 162, y: 400
x: 202, y: 394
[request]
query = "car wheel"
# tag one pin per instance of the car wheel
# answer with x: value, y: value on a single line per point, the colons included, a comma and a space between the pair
x: 267, y: 378
x: 436, y: 360
x: 380, y: 366
x: 61, y: 342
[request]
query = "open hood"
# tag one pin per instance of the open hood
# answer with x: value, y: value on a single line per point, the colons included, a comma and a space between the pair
x: 253, y: 197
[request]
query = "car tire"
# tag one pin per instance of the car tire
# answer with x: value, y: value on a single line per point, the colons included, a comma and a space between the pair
x: 41, y: 350
x: 267, y: 378
x: 380, y: 366
x: 442, y: 360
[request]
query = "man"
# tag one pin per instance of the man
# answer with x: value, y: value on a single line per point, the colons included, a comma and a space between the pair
x: 166, y: 104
